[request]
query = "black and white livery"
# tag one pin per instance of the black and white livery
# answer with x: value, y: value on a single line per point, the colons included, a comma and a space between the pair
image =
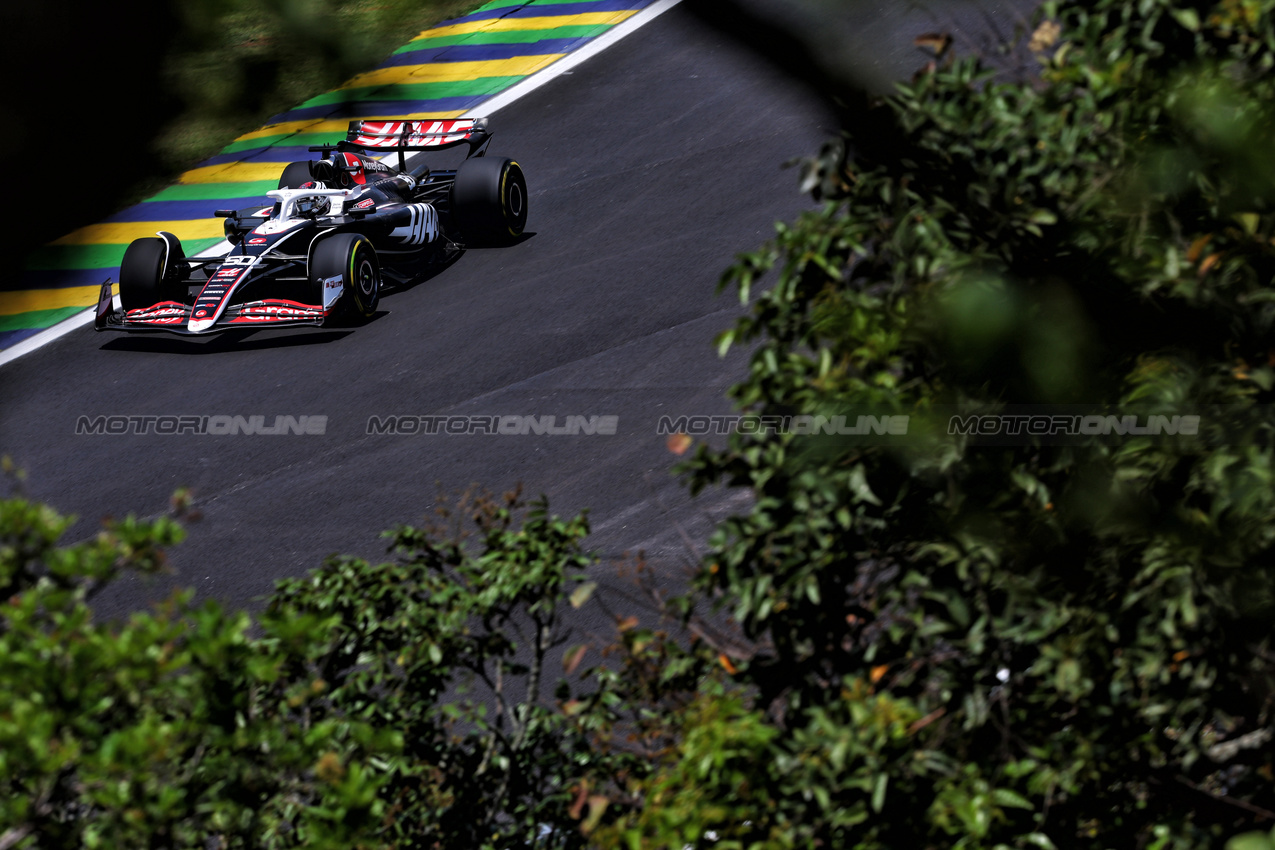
x: 336, y: 231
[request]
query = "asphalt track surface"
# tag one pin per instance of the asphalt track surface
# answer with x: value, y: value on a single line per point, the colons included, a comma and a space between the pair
x: 649, y: 168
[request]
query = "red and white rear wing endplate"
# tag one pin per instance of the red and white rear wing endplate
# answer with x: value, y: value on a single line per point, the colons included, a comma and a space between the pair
x: 418, y: 135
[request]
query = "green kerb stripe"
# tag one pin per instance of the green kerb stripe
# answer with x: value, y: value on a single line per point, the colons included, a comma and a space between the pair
x: 506, y: 4
x: 38, y: 318
x: 513, y: 37
x: 415, y: 91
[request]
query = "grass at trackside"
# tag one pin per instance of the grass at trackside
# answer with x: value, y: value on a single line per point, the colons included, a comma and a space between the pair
x: 242, y: 61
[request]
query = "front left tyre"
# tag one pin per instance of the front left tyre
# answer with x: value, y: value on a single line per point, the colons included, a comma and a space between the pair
x: 153, y: 270
x: 350, y: 259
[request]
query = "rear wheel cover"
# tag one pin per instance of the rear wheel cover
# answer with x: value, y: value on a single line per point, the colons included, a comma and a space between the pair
x: 295, y: 175
x: 489, y: 201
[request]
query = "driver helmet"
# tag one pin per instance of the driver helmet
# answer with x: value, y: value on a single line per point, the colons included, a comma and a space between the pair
x: 313, y: 205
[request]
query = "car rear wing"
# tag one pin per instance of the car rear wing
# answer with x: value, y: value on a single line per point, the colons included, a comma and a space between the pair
x: 417, y: 135
x: 400, y: 136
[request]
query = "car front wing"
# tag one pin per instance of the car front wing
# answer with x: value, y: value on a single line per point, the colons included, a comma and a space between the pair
x: 174, y: 316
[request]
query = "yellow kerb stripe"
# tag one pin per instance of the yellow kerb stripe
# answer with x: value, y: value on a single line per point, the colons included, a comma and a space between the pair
x: 122, y: 233
x: 451, y: 72
x: 234, y: 172
x: 589, y: 19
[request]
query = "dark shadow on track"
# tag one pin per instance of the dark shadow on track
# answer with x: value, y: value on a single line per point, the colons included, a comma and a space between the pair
x: 432, y: 269
x: 522, y: 237
x: 347, y: 323
x: 228, y: 341
x: 425, y: 271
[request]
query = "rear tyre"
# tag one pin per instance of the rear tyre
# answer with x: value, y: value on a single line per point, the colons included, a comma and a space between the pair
x: 295, y: 175
x: 153, y: 270
x: 351, y: 258
x: 489, y: 201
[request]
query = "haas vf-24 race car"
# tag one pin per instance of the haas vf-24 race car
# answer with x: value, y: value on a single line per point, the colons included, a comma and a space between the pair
x: 339, y: 228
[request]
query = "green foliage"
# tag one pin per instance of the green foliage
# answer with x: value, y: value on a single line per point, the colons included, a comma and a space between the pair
x: 170, y: 728
x: 449, y: 647
x: 921, y: 642
x: 1252, y: 841
x: 706, y: 785
x: 1077, y: 637
x: 236, y: 63
x: 403, y: 703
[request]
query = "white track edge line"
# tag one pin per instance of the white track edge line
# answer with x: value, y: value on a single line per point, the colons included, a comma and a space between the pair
x: 487, y: 107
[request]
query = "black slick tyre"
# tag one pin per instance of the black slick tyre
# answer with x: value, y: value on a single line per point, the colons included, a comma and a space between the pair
x: 489, y: 201
x: 295, y: 175
x: 152, y: 271
x: 351, y: 259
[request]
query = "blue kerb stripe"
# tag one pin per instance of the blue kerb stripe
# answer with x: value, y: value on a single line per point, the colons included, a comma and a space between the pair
x: 282, y: 154
x: 8, y: 338
x: 185, y: 210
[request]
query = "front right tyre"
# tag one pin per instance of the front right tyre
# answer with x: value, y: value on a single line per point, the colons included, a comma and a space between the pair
x: 348, y: 259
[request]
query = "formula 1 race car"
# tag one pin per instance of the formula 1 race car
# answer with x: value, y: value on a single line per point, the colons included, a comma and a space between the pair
x: 339, y: 227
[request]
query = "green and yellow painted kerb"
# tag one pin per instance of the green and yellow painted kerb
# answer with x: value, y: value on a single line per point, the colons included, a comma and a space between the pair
x: 445, y: 72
